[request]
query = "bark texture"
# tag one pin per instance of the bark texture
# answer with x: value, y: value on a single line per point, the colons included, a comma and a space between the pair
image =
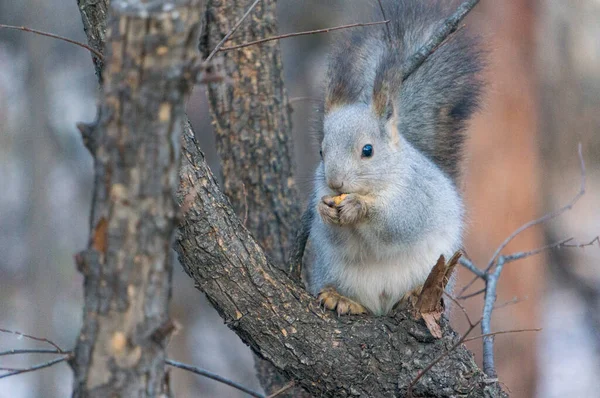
x: 149, y: 58
x: 327, y: 355
x: 252, y: 121
x: 94, y: 15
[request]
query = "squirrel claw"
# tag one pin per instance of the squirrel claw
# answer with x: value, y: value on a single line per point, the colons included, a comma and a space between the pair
x: 330, y: 299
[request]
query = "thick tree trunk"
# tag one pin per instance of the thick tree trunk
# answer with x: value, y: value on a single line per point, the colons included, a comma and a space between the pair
x: 252, y: 121
x: 150, y: 53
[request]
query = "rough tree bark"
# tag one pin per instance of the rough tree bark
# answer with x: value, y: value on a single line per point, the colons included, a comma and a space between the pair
x: 149, y: 62
x: 94, y: 15
x: 251, y: 116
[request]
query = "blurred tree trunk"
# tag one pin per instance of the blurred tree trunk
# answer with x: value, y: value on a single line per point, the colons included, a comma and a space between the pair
x: 135, y: 144
x: 502, y: 185
x: 251, y: 116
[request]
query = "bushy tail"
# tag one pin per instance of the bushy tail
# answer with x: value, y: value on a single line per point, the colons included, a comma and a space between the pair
x: 434, y: 103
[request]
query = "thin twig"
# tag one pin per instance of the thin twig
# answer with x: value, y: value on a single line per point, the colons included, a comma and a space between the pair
x: 463, y: 309
x: 515, y: 300
x: 37, y: 367
x: 39, y: 32
x: 582, y: 245
x: 501, y: 332
x: 231, y: 31
x: 213, y: 376
x: 308, y: 32
x: 448, y: 27
x: 30, y: 351
x: 387, y: 26
x: 468, y: 296
x: 282, y: 389
x: 548, y: 216
x: 41, y: 339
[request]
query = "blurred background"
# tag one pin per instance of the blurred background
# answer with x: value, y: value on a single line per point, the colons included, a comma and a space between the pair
x: 543, y: 97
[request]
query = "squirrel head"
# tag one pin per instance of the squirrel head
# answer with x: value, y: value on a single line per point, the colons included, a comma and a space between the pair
x: 359, y: 148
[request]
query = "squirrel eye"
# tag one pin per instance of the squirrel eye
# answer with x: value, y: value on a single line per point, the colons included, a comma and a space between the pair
x: 321, y: 153
x: 367, y: 151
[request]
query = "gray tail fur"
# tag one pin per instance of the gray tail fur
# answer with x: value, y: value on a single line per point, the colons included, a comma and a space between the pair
x: 435, y: 102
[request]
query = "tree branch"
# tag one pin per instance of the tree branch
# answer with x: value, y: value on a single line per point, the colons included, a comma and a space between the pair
x: 52, y: 362
x: 40, y: 339
x: 307, y: 32
x: 39, y: 32
x: 213, y: 376
x: 448, y: 27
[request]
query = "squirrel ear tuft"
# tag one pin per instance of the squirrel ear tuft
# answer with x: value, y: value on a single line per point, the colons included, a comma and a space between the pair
x: 387, y: 85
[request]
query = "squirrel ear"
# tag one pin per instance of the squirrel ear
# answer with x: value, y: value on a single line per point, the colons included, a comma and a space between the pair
x: 387, y: 85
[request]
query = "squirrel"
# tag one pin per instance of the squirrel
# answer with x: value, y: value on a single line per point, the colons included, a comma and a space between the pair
x: 385, y: 203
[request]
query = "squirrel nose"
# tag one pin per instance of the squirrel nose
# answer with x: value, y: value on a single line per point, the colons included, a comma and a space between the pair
x: 336, y: 185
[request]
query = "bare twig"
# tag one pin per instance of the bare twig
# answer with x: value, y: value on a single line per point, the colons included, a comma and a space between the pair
x: 213, y: 376
x: 596, y: 240
x: 308, y: 32
x: 39, y: 32
x: 548, y: 216
x: 231, y: 31
x: 41, y: 339
x: 387, y: 26
x: 468, y: 296
x: 501, y: 332
x: 449, y: 26
x: 282, y: 389
x: 38, y: 367
x: 29, y: 351
x: 462, y: 308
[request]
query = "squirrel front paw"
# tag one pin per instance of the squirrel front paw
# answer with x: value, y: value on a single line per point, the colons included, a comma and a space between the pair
x: 330, y: 299
x: 350, y: 210
x: 328, y: 210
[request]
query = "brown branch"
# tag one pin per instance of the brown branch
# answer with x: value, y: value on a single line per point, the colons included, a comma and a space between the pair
x: 52, y: 35
x: 40, y: 339
x: 308, y: 32
x: 213, y: 376
x: 29, y: 351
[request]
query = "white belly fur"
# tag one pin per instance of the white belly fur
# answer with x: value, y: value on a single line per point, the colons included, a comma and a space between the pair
x: 379, y: 283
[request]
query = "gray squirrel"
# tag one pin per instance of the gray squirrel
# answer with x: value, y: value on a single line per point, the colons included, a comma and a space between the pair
x: 385, y: 203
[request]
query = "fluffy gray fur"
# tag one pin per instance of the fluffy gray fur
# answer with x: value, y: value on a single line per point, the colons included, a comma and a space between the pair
x: 403, y: 209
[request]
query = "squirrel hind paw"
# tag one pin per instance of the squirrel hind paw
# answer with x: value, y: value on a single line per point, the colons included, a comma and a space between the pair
x: 330, y: 299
